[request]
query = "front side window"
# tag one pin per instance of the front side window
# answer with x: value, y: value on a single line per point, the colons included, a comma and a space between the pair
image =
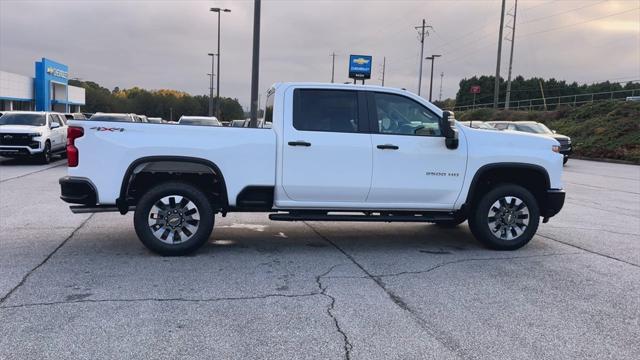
x: 325, y: 110
x: 400, y: 115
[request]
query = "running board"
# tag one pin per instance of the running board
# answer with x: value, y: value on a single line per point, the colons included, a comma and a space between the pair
x: 81, y: 209
x: 420, y: 217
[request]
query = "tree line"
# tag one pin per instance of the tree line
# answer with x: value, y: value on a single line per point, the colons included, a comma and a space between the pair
x: 166, y: 104
x: 524, y: 89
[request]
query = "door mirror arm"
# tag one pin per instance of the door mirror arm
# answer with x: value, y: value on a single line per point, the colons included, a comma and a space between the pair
x: 448, y: 130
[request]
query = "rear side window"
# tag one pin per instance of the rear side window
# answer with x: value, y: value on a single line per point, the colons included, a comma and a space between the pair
x: 268, y: 111
x: 325, y: 110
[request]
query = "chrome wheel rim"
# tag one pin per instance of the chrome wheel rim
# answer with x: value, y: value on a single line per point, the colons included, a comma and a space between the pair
x: 508, y: 218
x: 174, y: 219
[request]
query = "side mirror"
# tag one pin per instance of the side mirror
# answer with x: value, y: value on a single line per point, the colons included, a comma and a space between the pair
x: 553, y: 131
x: 448, y: 130
x: 55, y: 125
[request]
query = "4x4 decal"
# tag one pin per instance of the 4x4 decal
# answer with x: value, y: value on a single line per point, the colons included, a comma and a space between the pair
x: 101, y: 128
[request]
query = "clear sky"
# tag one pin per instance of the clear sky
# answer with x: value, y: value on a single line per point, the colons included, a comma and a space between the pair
x: 164, y: 44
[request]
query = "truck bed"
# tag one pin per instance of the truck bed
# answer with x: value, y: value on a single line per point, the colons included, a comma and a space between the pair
x: 115, y: 145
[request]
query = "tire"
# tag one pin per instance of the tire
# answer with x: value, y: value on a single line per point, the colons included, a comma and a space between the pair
x: 45, y: 156
x: 564, y: 160
x: 505, y: 218
x: 173, y: 208
x: 448, y: 224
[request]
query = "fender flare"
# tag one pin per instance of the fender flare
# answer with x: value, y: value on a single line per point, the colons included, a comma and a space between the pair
x: 504, y: 165
x: 121, y: 202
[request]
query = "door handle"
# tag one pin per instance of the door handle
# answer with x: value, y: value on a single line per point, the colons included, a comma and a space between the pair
x: 388, y: 147
x: 299, y: 143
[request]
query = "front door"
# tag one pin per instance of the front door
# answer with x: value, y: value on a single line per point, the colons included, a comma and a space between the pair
x: 326, y: 153
x: 412, y: 167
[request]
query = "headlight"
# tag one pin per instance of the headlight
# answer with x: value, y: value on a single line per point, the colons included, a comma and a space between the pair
x: 555, y: 148
x: 35, y: 134
x: 569, y: 141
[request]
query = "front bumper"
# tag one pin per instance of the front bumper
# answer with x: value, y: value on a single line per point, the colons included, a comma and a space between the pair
x: 19, y: 151
x: 76, y: 190
x: 553, y: 202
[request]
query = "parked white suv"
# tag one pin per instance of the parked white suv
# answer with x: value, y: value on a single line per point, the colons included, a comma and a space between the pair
x: 32, y: 134
x: 333, y: 153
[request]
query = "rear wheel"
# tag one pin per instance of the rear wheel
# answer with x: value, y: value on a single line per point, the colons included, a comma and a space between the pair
x: 173, y: 219
x: 505, y: 218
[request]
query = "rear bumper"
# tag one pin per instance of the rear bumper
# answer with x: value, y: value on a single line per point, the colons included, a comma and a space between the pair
x: 78, y: 191
x: 554, y: 200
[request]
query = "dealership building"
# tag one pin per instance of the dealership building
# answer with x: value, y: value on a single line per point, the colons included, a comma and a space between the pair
x: 48, y: 90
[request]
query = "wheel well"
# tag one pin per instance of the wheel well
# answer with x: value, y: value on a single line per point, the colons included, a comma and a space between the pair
x: 531, y: 177
x: 145, y: 173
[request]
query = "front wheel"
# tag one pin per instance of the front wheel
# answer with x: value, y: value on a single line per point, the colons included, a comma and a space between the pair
x: 45, y: 156
x: 564, y: 161
x: 505, y: 218
x: 173, y: 218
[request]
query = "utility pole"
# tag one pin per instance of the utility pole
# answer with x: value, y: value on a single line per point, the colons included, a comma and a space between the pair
x: 422, y: 33
x: 333, y: 65
x: 441, y: 76
x: 433, y: 59
x: 496, y: 91
x: 384, y: 65
x: 513, y: 40
x: 255, y: 66
x: 544, y: 100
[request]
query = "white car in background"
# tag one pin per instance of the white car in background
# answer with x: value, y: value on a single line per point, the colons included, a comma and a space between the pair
x: 32, y: 134
x: 117, y: 117
x: 199, y: 120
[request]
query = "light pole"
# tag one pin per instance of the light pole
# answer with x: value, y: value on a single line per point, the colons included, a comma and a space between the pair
x: 218, y: 10
x: 212, y: 74
x: 210, y: 93
x: 432, y: 58
x: 255, y: 65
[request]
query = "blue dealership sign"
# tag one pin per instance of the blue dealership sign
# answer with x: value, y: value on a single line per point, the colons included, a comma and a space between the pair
x: 48, y: 73
x: 360, y: 66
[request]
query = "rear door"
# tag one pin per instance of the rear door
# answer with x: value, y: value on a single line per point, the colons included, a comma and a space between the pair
x: 326, y: 151
x: 412, y: 167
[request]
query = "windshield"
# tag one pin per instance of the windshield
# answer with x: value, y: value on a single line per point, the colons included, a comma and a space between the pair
x: 533, y: 128
x: 23, y: 119
x: 117, y: 118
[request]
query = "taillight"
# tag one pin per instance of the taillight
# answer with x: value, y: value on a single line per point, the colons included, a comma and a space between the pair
x: 72, y: 151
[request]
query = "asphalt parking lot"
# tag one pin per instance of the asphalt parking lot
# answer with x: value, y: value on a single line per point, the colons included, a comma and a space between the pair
x: 83, y: 286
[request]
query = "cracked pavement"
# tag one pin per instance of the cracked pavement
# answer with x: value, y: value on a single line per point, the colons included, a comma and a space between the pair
x: 82, y: 286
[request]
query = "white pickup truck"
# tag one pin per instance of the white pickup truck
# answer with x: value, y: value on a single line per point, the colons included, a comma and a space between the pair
x: 333, y: 153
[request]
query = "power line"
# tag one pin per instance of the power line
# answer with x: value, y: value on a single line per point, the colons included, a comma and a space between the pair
x: 466, y: 53
x: 581, y: 22
x: 561, y: 13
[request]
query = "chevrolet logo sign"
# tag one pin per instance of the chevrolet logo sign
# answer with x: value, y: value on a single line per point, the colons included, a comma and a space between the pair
x: 361, y: 61
x: 7, y: 137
